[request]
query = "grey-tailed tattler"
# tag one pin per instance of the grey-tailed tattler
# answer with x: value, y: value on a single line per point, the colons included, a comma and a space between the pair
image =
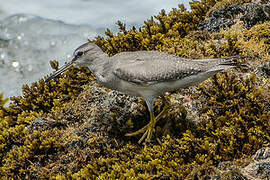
x: 146, y: 74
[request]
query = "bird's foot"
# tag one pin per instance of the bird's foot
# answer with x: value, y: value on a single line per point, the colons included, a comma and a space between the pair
x: 148, y: 133
x: 149, y: 129
x: 142, y: 130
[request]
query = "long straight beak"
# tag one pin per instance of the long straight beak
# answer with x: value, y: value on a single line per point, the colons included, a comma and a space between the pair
x: 60, y: 71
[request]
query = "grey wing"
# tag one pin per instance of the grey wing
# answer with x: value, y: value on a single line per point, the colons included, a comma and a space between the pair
x: 147, y: 68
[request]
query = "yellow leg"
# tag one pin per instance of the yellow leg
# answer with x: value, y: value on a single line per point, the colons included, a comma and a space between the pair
x: 150, y: 127
x: 165, y: 109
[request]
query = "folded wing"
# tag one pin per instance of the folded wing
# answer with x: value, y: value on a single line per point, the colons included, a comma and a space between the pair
x: 153, y: 67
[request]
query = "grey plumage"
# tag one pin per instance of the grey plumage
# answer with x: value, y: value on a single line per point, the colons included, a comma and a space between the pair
x: 150, y: 67
x: 147, y: 74
x: 146, y: 67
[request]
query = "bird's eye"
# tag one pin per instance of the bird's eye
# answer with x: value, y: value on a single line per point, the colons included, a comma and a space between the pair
x: 79, y: 53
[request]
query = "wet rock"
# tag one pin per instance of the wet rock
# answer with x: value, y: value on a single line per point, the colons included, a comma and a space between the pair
x: 221, y: 19
x: 42, y: 124
x: 254, y: 14
x: 262, y: 154
x: 76, y: 144
x: 260, y: 167
x: 257, y: 167
x: 231, y: 174
x: 105, y: 111
x: 264, y: 69
x: 266, y: 10
x: 250, y: 14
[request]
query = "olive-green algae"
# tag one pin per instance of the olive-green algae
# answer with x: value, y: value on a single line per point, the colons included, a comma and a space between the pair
x: 155, y: 34
x: 233, y: 115
x: 37, y: 100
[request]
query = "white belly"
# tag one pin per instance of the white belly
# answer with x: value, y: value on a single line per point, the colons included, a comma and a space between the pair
x: 158, y: 89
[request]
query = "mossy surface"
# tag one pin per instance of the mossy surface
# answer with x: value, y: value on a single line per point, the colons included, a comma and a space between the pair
x: 72, y: 128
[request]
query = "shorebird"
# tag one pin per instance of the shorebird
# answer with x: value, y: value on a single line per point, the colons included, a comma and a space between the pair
x: 146, y: 74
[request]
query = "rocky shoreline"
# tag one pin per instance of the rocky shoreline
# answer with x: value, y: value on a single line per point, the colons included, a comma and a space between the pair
x: 72, y: 128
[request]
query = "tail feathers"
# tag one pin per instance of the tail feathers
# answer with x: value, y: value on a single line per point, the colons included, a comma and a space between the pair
x: 232, y: 61
x: 228, y: 63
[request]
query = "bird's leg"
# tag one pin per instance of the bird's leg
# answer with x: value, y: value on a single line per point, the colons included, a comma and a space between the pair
x: 149, y: 128
x: 165, y: 108
x: 145, y: 129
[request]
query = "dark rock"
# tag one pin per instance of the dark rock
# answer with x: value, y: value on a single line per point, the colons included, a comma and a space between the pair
x: 42, y: 124
x: 226, y: 17
x: 260, y: 167
x: 264, y: 69
x: 105, y: 111
x: 233, y: 174
x: 221, y: 19
x: 76, y: 144
x: 263, y: 153
x: 266, y: 9
x: 253, y: 14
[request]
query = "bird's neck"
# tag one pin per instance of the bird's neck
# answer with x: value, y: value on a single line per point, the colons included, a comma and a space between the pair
x: 100, y: 67
x: 99, y: 58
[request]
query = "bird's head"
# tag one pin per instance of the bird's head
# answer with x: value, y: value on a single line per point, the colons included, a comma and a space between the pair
x: 84, y: 55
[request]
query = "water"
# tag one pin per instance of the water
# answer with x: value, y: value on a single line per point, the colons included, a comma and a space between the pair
x: 33, y: 32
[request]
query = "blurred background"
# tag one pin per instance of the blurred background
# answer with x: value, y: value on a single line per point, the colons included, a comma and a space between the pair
x: 33, y: 32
